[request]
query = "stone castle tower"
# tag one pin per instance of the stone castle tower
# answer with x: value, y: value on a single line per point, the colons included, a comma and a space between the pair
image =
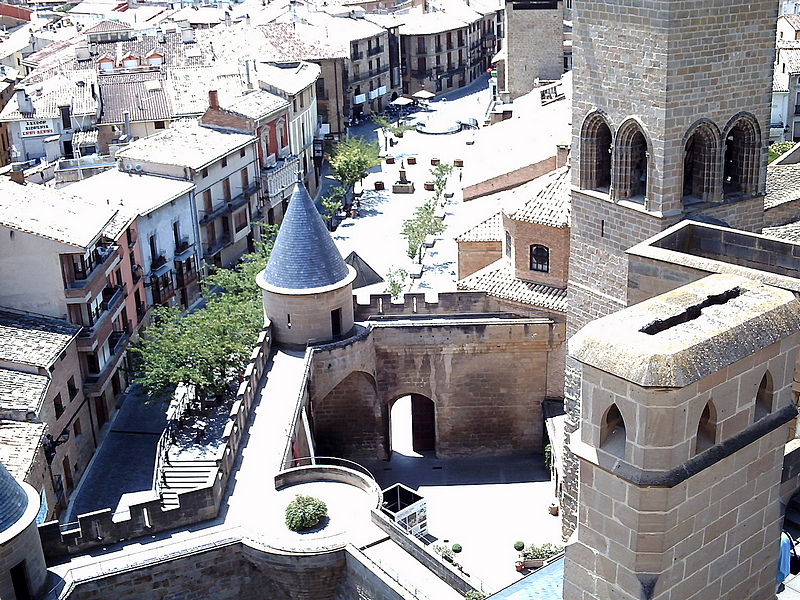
x: 307, y: 286
x: 671, y: 104
x: 686, y: 411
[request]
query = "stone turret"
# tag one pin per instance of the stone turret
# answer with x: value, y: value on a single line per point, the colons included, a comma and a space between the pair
x: 686, y: 410
x: 22, y: 567
x: 308, y: 292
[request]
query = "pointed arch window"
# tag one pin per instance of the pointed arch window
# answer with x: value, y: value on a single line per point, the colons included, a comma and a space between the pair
x: 595, y: 164
x: 699, y: 165
x: 742, y: 152
x: 764, y: 397
x: 707, y: 429
x: 612, y: 432
x: 631, y: 163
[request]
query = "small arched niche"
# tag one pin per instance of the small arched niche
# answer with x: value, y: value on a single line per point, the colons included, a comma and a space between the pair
x: 706, y: 429
x: 612, y: 432
x: 595, y: 161
x: 764, y: 397
x: 699, y: 164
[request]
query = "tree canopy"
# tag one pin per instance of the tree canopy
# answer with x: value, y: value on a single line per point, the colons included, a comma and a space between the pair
x: 205, y: 348
x: 352, y: 159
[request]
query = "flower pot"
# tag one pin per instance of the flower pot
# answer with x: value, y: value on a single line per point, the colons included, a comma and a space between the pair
x: 412, y: 160
x: 379, y: 185
x: 458, y: 162
x: 533, y: 563
x: 519, y: 565
x: 390, y: 160
x: 434, y: 161
x: 429, y: 186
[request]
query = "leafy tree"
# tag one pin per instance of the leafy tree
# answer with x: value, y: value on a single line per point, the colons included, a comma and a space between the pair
x: 352, y: 159
x: 205, y: 348
x: 777, y: 149
x: 441, y: 173
x: 332, y: 203
x: 415, y: 229
x: 390, y: 128
x: 395, y: 282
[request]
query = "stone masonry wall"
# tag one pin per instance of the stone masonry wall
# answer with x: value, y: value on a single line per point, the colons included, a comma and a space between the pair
x: 473, y: 256
x: 535, y: 47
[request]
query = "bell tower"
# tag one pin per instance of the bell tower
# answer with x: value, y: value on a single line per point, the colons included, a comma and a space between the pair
x: 671, y: 103
x: 686, y: 411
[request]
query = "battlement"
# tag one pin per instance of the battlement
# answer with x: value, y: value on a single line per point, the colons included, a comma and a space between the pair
x: 410, y: 304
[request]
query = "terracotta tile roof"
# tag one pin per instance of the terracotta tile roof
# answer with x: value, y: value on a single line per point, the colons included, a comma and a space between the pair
x: 20, y: 392
x: 185, y: 144
x: 789, y: 232
x: 189, y: 86
x: 52, y: 214
x: 545, y: 200
x: 257, y: 104
x: 301, y: 42
x: 497, y: 279
x: 793, y: 20
x: 34, y: 339
x: 19, y: 443
x: 791, y: 56
x: 783, y: 185
x: 489, y: 230
x: 107, y: 26
x: 73, y: 88
x: 141, y: 94
x: 780, y: 81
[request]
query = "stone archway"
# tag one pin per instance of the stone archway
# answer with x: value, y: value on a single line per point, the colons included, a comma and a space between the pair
x: 418, y: 414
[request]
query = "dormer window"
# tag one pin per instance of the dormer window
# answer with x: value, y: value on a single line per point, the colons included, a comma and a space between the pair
x: 155, y: 60
x: 130, y: 62
x: 105, y: 64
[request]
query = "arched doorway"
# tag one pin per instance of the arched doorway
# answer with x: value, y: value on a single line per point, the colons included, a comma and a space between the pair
x: 412, y: 424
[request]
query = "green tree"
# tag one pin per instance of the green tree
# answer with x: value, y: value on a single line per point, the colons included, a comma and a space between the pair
x: 389, y: 128
x: 395, y: 282
x: 205, y: 348
x: 441, y: 173
x: 415, y: 229
x: 352, y: 159
x: 332, y: 203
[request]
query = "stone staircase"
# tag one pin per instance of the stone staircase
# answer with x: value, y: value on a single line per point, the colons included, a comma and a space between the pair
x: 184, y: 475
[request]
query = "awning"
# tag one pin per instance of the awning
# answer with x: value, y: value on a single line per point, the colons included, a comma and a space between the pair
x: 402, y: 101
x: 423, y: 95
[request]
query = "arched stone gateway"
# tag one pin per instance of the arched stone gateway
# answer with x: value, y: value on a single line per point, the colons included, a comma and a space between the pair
x: 413, y: 416
x: 347, y: 422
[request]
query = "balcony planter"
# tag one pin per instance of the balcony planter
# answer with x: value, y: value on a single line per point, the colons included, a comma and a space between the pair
x: 379, y: 185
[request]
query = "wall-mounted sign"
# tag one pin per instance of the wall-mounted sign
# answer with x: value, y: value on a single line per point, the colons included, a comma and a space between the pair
x: 37, y: 127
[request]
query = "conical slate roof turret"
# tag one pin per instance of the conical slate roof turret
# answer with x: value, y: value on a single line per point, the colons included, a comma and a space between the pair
x: 304, y: 255
x: 13, y: 500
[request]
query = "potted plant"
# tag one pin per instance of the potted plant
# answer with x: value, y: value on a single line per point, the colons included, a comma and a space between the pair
x: 519, y: 547
x: 534, y: 556
x: 445, y: 552
x: 379, y: 185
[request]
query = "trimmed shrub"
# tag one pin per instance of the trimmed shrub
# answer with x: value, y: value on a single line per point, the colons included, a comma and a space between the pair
x: 457, y: 548
x: 544, y: 551
x: 474, y: 595
x: 519, y: 546
x: 304, y: 512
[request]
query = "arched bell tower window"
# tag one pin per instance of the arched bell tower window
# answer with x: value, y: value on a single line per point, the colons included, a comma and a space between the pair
x: 630, y: 163
x: 699, y: 164
x: 595, y: 161
x: 707, y: 429
x: 540, y: 258
x: 764, y: 397
x: 742, y: 152
x: 612, y: 432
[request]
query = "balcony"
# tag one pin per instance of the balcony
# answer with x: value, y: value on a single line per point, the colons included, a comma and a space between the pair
x: 90, y: 334
x: 112, y: 296
x: 159, y: 261
x: 228, y: 206
x: 374, y: 50
x: 281, y: 176
x: 93, y: 383
x: 438, y: 49
x: 162, y: 293
x: 217, y: 245
x: 356, y: 55
x: 183, y: 249
x: 182, y: 279
x: 79, y: 281
x: 421, y: 74
x: 136, y: 273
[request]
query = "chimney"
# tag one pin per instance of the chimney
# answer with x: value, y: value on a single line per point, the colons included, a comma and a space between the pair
x: 126, y: 117
x: 213, y: 101
x: 562, y: 155
x: 24, y: 102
